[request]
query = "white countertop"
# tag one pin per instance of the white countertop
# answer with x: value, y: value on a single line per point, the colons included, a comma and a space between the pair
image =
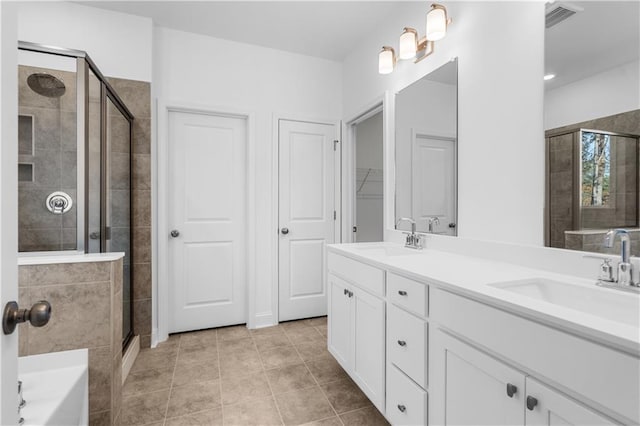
x: 48, y: 258
x: 470, y: 276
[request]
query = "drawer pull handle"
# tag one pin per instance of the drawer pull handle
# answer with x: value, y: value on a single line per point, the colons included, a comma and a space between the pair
x: 402, y: 408
x: 402, y: 343
x: 531, y: 403
x: 402, y: 292
x: 511, y: 390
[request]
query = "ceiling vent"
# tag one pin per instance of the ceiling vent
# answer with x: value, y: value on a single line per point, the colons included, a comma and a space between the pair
x: 558, y: 12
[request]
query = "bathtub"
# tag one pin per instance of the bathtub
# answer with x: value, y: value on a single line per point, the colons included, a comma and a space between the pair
x: 55, y: 387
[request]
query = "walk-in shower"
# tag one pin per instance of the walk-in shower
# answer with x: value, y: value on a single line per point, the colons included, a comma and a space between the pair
x: 74, y: 163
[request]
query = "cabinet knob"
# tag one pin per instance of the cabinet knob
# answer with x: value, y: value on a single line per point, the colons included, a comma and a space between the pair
x: 402, y: 292
x: 402, y: 343
x: 350, y: 294
x: 511, y: 390
x: 346, y: 291
x: 531, y: 402
x: 402, y: 408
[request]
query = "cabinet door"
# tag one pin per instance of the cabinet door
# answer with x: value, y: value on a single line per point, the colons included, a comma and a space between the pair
x: 339, y: 321
x: 369, y: 345
x: 554, y: 408
x: 476, y: 390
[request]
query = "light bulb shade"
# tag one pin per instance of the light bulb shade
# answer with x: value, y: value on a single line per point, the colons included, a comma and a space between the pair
x: 408, y: 44
x: 386, y: 60
x: 436, y: 22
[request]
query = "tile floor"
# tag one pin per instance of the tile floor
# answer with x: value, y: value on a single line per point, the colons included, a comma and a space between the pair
x: 234, y: 376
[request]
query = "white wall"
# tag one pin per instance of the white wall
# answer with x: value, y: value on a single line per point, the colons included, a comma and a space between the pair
x: 211, y: 73
x: 612, y: 92
x: 119, y: 44
x: 427, y: 107
x: 500, y: 47
x: 369, y: 207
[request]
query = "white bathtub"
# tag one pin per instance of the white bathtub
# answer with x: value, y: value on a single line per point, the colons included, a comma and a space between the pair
x: 56, y: 388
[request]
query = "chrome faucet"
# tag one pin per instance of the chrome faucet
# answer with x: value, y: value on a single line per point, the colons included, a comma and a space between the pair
x: 413, y: 240
x: 625, y: 269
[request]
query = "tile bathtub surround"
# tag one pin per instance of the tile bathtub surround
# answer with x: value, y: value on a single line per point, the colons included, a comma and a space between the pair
x: 137, y: 96
x: 86, y: 301
x: 234, y: 376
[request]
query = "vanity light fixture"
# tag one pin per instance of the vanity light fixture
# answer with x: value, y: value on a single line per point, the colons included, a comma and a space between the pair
x: 548, y: 77
x: 386, y: 60
x: 437, y: 22
x: 413, y: 47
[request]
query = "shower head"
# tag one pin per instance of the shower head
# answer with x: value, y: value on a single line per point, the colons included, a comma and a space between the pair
x: 46, y: 85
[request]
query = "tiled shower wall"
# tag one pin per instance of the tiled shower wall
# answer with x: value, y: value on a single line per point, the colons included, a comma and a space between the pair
x: 137, y: 96
x: 47, y: 163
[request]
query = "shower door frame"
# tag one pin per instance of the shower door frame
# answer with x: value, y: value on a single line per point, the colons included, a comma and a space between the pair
x: 84, y: 65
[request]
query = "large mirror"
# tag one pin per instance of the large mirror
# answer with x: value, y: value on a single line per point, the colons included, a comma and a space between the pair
x: 427, y: 150
x: 592, y: 123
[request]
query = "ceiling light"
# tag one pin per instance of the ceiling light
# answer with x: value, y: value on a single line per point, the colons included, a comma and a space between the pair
x: 548, y: 77
x: 437, y: 22
x: 408, y: 43
x: 386, y: 60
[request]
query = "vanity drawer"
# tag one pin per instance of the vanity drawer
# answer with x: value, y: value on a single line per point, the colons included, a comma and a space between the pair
x: 406, y: 401
x: 411, y: 295
x: 361, y: 274
x: 407, y: 343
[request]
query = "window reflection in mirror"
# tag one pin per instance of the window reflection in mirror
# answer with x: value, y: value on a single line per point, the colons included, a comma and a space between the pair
x: 592, y: 125
x: 426, y: 151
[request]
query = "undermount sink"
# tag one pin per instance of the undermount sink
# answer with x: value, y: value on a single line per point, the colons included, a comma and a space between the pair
x: 55, y: 388
x: 608, y: 304
x: 380, y: 250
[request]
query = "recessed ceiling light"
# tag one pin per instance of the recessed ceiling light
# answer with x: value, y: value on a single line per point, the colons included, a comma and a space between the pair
x: 548, y: 77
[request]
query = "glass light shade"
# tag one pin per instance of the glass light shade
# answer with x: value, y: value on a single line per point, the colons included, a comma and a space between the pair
x: 436, y: 23
x: 408, y: 44
x: 386, y: 60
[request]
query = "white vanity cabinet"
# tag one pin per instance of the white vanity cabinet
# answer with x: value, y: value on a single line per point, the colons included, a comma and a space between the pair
x: 356, y: 324
x: 472, y: 387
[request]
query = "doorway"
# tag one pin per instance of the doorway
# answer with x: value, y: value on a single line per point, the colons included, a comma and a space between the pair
x: 369, y: 182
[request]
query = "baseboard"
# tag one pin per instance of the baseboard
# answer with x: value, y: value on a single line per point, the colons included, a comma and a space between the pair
x: 130, y: 356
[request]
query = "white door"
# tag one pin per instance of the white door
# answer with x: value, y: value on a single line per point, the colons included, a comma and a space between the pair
x: 306, y: 216
x: 207, y: 189
x: 554, y: 409
x: 9, y: 210
x: 433, y: 177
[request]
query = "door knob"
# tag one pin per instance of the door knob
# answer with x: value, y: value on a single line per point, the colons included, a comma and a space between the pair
x: 402, y: 408
x: 511, y: 390
x: 175, y: 233
x: 531, y: 402
x: 39, y: 315
x: 284, y: 231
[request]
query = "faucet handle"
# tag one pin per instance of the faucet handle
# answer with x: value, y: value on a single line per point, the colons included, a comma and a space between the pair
x: 606, y: 271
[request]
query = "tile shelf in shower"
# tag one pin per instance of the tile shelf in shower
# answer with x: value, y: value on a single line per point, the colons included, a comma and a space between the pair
x: 25, y: 172
x: 25, y: 134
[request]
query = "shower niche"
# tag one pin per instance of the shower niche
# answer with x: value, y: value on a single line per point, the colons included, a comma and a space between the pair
x: 74, y: 160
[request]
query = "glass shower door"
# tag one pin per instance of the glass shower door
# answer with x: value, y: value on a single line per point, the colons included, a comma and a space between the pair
x: 117, y: 215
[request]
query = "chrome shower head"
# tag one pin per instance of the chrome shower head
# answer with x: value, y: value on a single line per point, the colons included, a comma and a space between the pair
x: 46, y: 85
